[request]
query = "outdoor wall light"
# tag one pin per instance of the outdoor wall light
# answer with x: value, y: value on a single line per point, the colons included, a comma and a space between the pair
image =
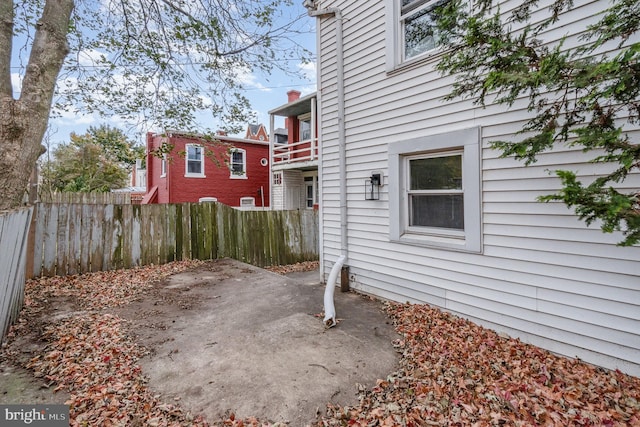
x: 372, y: 187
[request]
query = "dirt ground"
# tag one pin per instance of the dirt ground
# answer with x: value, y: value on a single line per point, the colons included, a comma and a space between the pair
x: 228, y: 337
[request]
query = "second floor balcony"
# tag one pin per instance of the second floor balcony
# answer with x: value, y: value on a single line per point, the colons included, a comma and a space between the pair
x: 295, y: 145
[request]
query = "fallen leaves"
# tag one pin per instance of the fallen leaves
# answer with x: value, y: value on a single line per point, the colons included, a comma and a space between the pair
x: 454, y: 372
x: 294, y: 268
x: 89, y: 352
x: 97, y: 363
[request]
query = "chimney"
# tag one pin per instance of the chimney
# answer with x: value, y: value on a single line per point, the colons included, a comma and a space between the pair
x: 220, y: 132
x: 293, y: 95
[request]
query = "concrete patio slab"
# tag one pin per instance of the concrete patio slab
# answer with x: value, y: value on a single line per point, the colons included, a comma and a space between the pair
x: 232, y: 338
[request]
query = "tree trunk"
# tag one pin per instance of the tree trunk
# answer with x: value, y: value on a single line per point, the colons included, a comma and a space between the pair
x: 23, y: 121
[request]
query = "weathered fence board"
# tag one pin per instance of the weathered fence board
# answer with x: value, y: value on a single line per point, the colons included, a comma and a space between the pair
x: 119, y: 198
x: 14, y: 230
x: 72, y: 239
x: 85, y: 240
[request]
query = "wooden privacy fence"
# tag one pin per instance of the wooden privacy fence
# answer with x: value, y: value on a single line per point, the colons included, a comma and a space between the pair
x: 78, y: 238
x: 118, y: 198
x: 14, y: 229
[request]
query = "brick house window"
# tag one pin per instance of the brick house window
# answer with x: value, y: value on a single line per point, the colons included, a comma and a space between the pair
x: 194, y: 161
x: 238, y: 163
x: 163, y: 166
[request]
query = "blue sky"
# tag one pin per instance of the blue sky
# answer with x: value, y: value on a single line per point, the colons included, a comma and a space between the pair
x: 265, y: 92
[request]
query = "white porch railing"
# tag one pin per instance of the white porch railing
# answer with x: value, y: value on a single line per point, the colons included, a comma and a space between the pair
x: 301, y: 151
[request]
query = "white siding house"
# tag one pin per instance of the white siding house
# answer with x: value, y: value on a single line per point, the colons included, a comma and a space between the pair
x: 532, y: 270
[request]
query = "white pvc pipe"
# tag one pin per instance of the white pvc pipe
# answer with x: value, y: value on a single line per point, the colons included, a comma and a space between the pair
x: 329, y: 308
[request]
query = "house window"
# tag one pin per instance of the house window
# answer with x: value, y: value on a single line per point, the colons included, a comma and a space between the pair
x: 281, y: 138
x: 411, y: 29
x: 311, y: 191
x: 418, y: 26
x: 238, y: 163
x: 434, y: 190
x: 305, y: 127
x: 277, y: 178
x: 163, y: 166
x: 195, y: 161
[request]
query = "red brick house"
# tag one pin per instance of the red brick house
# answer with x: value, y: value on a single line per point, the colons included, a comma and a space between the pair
x: 233, y: 171
x: 257, y: 132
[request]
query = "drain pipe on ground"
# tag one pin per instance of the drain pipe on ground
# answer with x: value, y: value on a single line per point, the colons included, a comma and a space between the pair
x: 339, y: 266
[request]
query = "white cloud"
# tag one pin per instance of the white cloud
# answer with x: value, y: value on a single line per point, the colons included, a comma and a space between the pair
x: 308, y: 69
x: 70, y: 118
x: 90, y: 57
x: 309, y: 72
x: 207, y: 101
x: 250, y: 80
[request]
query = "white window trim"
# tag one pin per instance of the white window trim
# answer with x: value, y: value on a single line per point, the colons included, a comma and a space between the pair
x: 186, y: 162
x: 394, y: 46
x: 469, y: 141
x: 314, y: 188
x: 302, y: 118
x: 244, y: 164
x: 277, y: 175
x: 163, y: 166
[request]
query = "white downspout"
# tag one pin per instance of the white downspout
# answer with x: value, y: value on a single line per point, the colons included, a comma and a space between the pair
x: 342, y: 159
x: 329, y: 308
x: 272, y: 139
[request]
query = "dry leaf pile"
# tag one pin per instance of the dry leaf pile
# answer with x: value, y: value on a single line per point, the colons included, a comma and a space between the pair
x: 456, y: 373
x: 293, y: 268
x: 452, y: 372
x: 104, y: 289
x: 89, y: 352
x: 97, y: 363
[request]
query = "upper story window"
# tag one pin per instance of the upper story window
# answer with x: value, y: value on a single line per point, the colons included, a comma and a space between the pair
x: 305, y: 127
x: 163, y: 166
x: 195, y: 161
x: 238, y: 163
x: 418, y: 24
x: 411, y: 29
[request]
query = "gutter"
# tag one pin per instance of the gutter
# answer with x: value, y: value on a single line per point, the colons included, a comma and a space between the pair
x: 342, y: 159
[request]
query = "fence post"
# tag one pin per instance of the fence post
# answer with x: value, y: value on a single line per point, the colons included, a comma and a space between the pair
x: 31, y: 244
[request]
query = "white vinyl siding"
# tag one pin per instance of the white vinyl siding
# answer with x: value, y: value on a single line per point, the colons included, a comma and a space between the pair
x: 542, y: 275
x: 289, y: 194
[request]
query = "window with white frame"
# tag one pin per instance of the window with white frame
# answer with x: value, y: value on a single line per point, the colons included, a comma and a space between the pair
x: 411, y: 29
x: 434, y: 190
x: 195, y: 161
x: 238, y: 163
x: 311, y: 191
x: 277, y: 178
x: 305, y: 127
x: 163, y: 166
